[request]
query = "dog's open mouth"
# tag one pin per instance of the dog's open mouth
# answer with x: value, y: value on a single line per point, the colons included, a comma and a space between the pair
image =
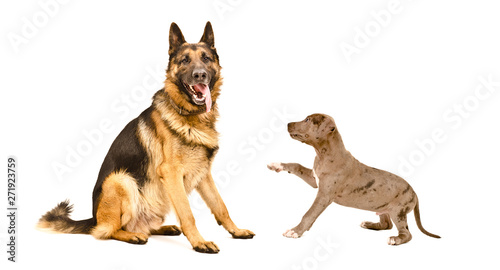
x: 200, y: 94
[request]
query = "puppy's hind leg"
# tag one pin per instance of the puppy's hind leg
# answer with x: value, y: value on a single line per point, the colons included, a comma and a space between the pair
x: 304, y: 173
x: 399, y: 219
x: 384, y: 224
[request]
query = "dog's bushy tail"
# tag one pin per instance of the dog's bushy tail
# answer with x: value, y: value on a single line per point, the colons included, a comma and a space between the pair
x: 58, y: 220
x: 419, y: 223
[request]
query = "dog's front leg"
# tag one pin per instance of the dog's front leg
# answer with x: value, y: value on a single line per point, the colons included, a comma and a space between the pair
x: 172, y: 177
x: 319, y: 205
x: 304, y: 173
x: 208, y: 192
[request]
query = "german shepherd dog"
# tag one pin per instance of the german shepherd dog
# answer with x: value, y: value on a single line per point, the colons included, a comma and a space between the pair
x: 160, y: 157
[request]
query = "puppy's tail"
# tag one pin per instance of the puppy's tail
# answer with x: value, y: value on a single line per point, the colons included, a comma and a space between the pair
x: 419, y: 223
x: 57, y: 220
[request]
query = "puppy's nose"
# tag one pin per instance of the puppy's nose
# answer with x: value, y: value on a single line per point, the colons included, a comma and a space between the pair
x: 199, y: 75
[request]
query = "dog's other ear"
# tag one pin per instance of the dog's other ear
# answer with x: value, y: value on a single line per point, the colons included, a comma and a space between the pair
x: 176, y: 38
x: 331, y: 127
x: 208, y: 35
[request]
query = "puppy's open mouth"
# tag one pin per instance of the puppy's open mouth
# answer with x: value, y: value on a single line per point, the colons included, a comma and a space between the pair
x: 200, y: 94
x: 296, y: 136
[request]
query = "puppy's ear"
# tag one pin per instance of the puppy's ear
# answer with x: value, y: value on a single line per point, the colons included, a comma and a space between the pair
x: 332, y: 129
x: 176, y: 38
x: 208, y: 35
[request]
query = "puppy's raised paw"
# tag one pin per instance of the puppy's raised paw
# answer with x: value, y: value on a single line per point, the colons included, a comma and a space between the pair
x: 275, y: 166
x: 290, y: 233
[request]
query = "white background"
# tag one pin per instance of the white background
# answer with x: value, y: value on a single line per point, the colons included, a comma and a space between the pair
x: 282, y: 60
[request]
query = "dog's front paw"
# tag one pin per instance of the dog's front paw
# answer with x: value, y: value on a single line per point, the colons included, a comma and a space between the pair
x: 243, y: 234
x: 290, y: 233
x: 275, y: 166
x: 206, y: 247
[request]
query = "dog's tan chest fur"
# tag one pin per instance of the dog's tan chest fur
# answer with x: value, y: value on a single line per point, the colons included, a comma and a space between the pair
x: 195, y: 166
x: 192, y: 158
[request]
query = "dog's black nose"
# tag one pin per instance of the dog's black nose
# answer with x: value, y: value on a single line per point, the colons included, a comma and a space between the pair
x: 199, y: 75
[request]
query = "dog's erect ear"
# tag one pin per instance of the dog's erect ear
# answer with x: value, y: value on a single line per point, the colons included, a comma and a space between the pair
x: 208, y: 35
x: 176, y: 38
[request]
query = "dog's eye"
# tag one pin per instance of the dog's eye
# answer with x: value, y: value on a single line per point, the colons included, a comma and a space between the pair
x: 185, y: 60
x: 205, y: 58
x: 307, y: 119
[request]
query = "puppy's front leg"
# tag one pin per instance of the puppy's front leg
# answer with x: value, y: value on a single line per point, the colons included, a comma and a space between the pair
x: 319, y: 205
x: 306, y: 174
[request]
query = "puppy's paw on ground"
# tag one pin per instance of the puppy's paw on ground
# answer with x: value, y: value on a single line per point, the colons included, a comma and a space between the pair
x: 391, y: 241
x: 398, y: 240
x: 395, y: 241
x: 290, y: 234
x: 275, y: 166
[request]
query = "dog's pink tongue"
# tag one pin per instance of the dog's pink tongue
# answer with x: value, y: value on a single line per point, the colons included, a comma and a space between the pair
x: 204, y: 90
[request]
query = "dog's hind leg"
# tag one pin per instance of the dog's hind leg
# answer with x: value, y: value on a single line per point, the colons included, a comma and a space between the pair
x: 384, y: 224
x: 167, y: 230
x: 130, y: 237
x: 113, y: 205
x: 399, y: 219
x: 304, y: 173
